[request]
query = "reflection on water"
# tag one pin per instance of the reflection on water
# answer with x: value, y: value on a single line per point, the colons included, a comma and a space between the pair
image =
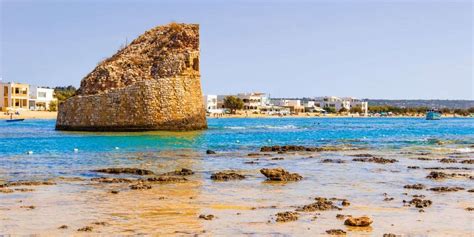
x: 243, y: 207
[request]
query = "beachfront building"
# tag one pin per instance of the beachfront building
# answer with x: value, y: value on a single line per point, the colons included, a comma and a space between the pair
x: 293, y: 105
x: 338, y: 104
x: 40, y: 98
x: 210, y: 102
x: 14, y: 96
x: 254, y: 101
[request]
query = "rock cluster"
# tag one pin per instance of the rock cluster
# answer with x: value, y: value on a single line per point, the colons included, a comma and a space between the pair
x: 279, y: 174
x: 151, y: 84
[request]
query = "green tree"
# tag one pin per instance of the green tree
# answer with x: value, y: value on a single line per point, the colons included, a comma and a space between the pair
x: 356, y: 109
x: 53, y: 105
x: 233, y: 103
x: 63, y: 93
x: 329, y: 109
x: 343, y: 110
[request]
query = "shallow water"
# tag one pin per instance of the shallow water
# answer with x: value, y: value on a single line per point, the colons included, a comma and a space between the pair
x: 245, y: 207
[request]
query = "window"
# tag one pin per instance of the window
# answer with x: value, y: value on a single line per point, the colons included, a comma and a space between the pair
x: 5, y: 91
x: 42, y: 94
x: 17, y: 90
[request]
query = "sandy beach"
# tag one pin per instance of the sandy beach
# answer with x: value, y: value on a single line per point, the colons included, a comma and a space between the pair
x: 31, y: 115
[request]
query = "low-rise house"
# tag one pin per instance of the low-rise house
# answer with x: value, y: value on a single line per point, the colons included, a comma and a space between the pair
x: 210, y: 102
x: 14, y: 96
x: 41, y: 98
x: 293, y: 104
x: 337, y: 104
x: 254, y: 101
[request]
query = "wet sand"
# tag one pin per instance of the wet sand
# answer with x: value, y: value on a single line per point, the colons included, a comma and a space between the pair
x: 249, y: 206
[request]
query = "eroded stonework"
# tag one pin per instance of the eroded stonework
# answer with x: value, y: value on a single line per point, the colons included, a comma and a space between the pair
x: 152, y: 84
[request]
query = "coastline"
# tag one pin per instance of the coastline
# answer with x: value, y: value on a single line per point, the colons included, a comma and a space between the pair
x: 53, y: 115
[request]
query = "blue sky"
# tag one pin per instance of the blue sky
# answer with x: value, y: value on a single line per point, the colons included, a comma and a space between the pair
x: 370, y: 49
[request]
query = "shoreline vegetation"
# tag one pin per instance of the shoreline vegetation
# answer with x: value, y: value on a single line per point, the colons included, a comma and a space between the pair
x: 242, y: 114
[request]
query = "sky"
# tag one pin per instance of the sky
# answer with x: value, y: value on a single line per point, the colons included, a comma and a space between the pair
x: 386, y: 49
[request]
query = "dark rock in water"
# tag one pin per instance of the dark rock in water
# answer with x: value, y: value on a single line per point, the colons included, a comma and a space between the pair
x: 340, y: 216
x: 335, y: 232
x: 278, y: 158
x: 438, y: 175
x: 468, y: 162
x: 364, y: 155
x: 336, y: 161
x: 321, y: 204
x: 413, y: 167
x: 414, y: 186
x: 345, y: 203
x: 26, y: 183
x: 6, y: 190
x: 378, y: 160
x: 86, y: 229
x: 28, y: 207
x: 114, y: 192
x: 63, y: 227
x: 420, y: 203
x: 140, y: 186
x: 446, y: 160
x: 166, y: 179
x: 210, y: 152
x: 251, y: 162
x: 448, y: 168
x: 226, y: 176
x: 470, y: 209
x: 358, y: 221
x: 286, y: 216
x: 418, y: 196
x: 292, y: 148
x: 135, y: 171
x: 388, y: 199
x: 391, y: 235
x: 102, y: 223
x: 446, y: 189
x: 112, y: 180
x: 180, y: 172
x: 279, y: 174
x: 206, y: 217
x: 471, y: 190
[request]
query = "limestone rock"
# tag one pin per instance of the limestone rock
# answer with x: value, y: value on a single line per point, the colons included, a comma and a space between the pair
x: 151, y: 84
x: 358, y: 221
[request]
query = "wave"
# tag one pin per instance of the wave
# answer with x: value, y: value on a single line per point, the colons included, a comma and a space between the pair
x: 263, y: 127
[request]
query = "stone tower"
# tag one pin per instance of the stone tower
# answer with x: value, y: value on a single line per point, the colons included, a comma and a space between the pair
x: 152, y: 84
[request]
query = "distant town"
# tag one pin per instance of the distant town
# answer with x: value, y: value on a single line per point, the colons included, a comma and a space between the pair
x: 23, y: 97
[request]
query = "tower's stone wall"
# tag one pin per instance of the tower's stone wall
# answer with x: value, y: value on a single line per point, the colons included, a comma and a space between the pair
x: 152, y: 84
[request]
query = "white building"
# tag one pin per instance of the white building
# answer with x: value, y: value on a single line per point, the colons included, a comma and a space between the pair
x: 337, y: 103
x: 40, y: 98
x: 210, y: 102
x: 254, y: 100
x: 293, y: 105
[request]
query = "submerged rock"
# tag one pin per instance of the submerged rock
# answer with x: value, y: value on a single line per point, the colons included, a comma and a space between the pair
x: 86, y: 229
x: 26, y: 183
x: 447, y: 160
x: 135, y: 171
x: 63, y: 227
x: 358, y: 221
x: 286, y: 216
x: 226, y: 176
x: 166, y: 179
x: 180, y: 172
x: 335, y: 232
x: 413, y: 167
x: 336, y: 161
x: 112, y: 180
x: 419, y: 203
x: 293, y: 148
x: 446, y: 189
x: 438, y: 175
x: 210, y: 152
x: 341, y: 216
x: 468, y: 162
x: 321, y: 204
x: 206, y: 217
x: 378, y: 160
x: 414, y: 186
x: 279, y: 174
x: 140, y: 186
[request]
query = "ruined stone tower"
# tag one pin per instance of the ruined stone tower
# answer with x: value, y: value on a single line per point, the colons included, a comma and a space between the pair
x: 151, y: 84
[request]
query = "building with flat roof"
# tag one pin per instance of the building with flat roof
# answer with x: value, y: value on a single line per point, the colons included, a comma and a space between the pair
x: 41, y: 98
x: 15, y: 96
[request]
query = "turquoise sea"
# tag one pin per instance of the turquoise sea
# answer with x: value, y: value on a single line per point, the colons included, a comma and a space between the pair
x: 52, y: 148
x: 33, y: 150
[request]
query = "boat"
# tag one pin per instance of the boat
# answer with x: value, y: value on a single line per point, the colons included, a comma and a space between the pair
x: 433, y: 115
x: 14, y: 120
